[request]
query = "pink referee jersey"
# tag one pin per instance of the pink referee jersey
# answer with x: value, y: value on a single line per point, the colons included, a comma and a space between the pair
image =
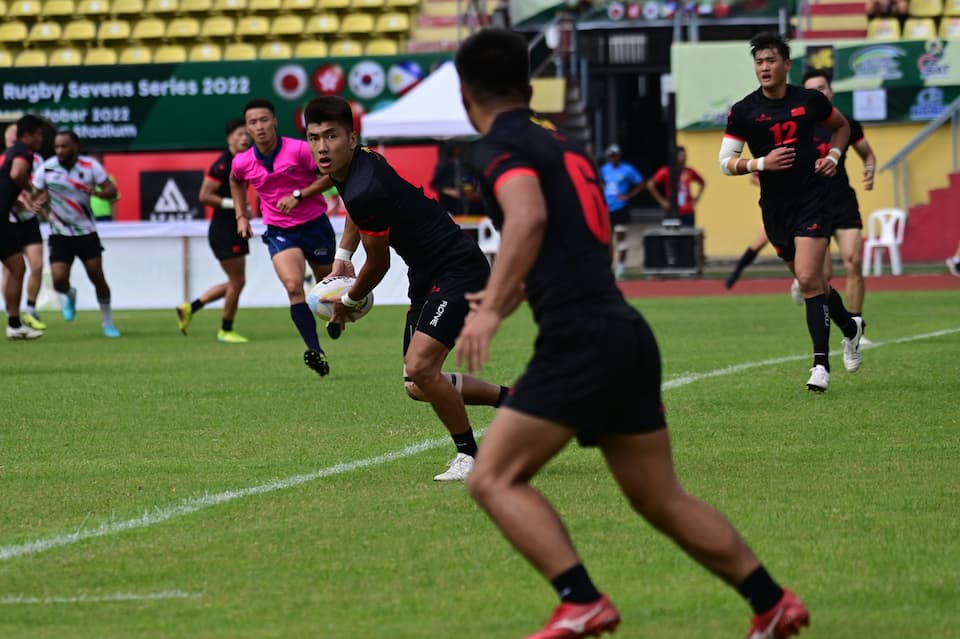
x: 293, y: 167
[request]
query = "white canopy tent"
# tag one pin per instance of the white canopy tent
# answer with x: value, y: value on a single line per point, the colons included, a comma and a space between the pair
x: 431, y: 110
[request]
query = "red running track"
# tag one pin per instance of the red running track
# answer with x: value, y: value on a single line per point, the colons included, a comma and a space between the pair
x: 757, y: 286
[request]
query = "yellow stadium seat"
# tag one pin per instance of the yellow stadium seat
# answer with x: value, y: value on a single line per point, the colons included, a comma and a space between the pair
x: 346, y: 49
x: 162, y: 7
x: 218, y: 27
x: 403, y: 5
x: 366, y: 5
x: 13, y: 31
x: 58, y: 9
x: 333, y: 5
x: 6, y: 60
x: 950, y: 27
x: 357, y: 24
x: 393, y: 22
x: 951, y: 7
x: 65, y: 57
x: 3, y: 12
x: 275, y: 50
x: 229, y: 6
x: 297, y: 5
x: 100, y: 55
x: 205, y: 52
x: 919, y: 29
x: 136, y: 54
x: 253, y: 26
x: 382, y: 46
x: 311, y: 49
x: 322, y: 24
x: 93, y: 8
x: 196, y: 6
x: 170, y: 53
x: 286, y: 25
x: 30, y: 58
x: 127, y: 8
x: 265, y: 6
x: 114, y: 30
x: 883, y: 29
x: 183, y: 28
x: 80, y: 31
x: 239, y: 51
x: 925, y: 8
x: 28, y: 9
x: 45, y: 33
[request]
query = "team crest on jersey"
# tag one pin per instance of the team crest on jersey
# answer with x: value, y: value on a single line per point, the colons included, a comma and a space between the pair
x: 543, y: 123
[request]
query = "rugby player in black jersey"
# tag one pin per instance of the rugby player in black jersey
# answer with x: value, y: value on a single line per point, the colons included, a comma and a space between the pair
x: 847, y: 224
x: 385, y: 211
x: 778, y: 121
x: 595, y: 373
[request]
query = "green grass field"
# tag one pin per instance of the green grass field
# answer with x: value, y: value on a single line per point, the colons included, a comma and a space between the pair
x: 163, y: 486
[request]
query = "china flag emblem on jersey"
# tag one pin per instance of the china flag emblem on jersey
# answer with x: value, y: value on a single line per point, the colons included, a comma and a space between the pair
x: 797, y: 112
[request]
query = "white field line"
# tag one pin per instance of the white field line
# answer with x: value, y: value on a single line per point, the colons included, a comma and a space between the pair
x: 16, y: 600
x: 194, y: 504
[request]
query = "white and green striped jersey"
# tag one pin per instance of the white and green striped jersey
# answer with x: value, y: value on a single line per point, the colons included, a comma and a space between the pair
x: 70, y: 212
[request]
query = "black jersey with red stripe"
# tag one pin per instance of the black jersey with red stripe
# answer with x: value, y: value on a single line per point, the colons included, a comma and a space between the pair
x: 840, y: 183
x: 765, y: 124
x: 380, y: 202
x: 571, y: 274
x: 219, y: 172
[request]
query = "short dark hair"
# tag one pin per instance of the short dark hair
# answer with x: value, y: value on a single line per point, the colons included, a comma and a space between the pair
x: 233, y: 125
x: 495, y: 64
x: 258, y: 103
x: 817, y: 73
x: 769, y: 40
x: 28, y: 124
x: 329, y: 108
x: 71, y: 133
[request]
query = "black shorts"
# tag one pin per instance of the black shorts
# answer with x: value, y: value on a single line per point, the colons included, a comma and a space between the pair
x: 28, y: 231
x: 846, y: 212
x: 440, y: 312
x: 597, y: 375
x: 63, y: 248
x: 224, y: 240
x: 806, y: 215
x: 620, y: 217
x: 9, y: 239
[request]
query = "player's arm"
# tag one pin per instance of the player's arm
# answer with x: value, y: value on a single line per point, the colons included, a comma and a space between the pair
x: 656, y: 194
x: 731, y: 163
x: 695, y: 178
x: 20, y: 170
x: 863, y: 149
x: 238, y: 193
x: 210, y: 197
x: 106, y: 190
x: 524, y: 225
x: 321, y: 184
x: 375, y: 267
x: 342, y: 264
x: 839, y: 140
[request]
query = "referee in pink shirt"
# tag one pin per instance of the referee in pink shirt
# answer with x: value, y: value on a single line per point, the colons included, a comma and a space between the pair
x: 284, y: 174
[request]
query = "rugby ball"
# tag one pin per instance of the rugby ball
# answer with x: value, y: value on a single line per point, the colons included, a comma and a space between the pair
x: 334, y: 286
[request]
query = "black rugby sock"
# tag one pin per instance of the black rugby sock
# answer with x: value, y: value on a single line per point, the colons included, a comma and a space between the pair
x: 818, y: 324
x: 745, y: 260
x: 504, y: 391
x: 196, y: 305
x: 465, y: 442
x: 226, y: 325
x: 760, y: 590
x: 306, y: 324
x: 840, y: 315
x: 574, y: 586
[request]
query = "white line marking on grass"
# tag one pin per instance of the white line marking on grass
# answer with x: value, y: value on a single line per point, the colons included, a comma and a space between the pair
x: 193, y: 504
x: 15, y: 600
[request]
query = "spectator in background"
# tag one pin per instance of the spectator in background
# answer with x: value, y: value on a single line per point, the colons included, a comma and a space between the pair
x: 888, y: 8
x: 659, y: 187
x: 455, y: 182
x: 228, y: 247
x: 621, y: 182
x: 103, y: 210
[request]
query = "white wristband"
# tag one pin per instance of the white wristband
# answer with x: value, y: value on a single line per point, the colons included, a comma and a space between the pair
x: 226, y: 203
x: 838, y: 150
x: 349, y: 302
x: 760, y: 164
x: 343, y: 254
x: 832, y: 159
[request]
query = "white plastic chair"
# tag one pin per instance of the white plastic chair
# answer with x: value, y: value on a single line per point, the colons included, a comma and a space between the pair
x: 884, y: 231
x: 488, y: 239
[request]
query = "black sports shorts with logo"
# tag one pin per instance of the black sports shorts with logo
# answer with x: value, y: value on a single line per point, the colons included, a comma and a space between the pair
x: 808, y: 214
x: 441, y: 309
x: 598, y: 375
x: 224, y: 240
x: 846, y: 212
x: 63, y: 248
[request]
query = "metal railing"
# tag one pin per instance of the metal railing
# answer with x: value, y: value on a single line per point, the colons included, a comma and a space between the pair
x: 898, y: 162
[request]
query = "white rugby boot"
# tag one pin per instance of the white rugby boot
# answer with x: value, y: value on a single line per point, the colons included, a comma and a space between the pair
x: 460, y: 468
